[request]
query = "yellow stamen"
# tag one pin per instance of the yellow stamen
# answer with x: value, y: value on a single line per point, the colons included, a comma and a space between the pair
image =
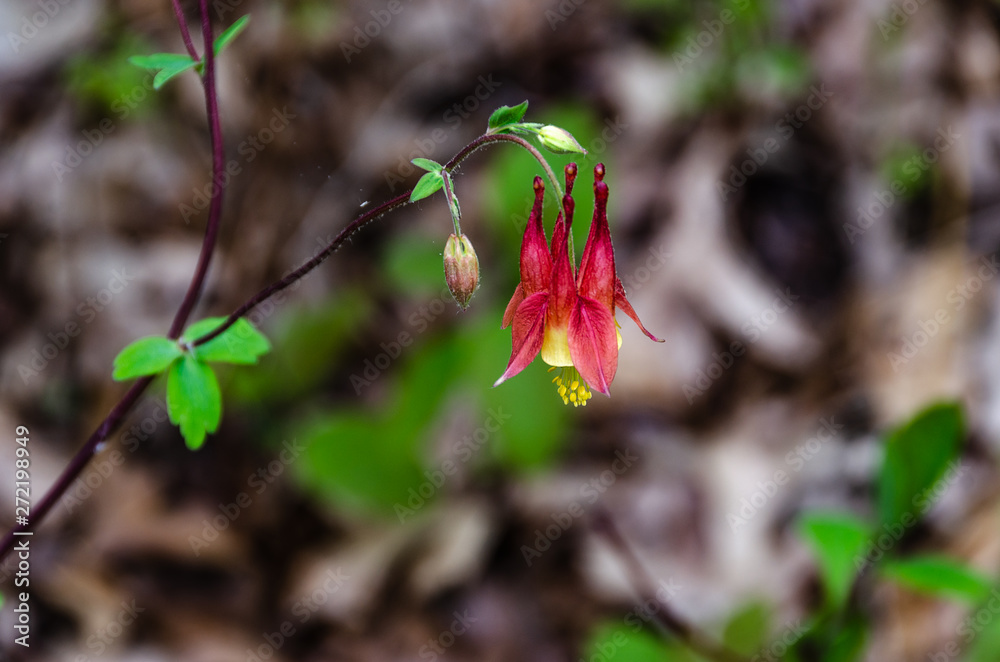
x: 571, y: 387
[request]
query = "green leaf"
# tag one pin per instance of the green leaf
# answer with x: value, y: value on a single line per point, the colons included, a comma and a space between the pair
x: 168, y: 64
x: 938, y: 575
x: 428, y: 185
x: 146, y: 356
x: 159, y: 60
x: 614, y: 640
x: 240, y: 343
x: 985, y: 627
x: 837, y: 540
x: 917, y: 455
x: 847, y: 643
x: 427, y: 164
x: 231, y: 33
x: 747, y: 630
x: 194, y: 402
x: 354, y: 460
x: 531, y: 439
x: 504, y: 116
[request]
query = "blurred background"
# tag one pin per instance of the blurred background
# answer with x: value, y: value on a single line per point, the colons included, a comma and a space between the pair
x: 803, y: 203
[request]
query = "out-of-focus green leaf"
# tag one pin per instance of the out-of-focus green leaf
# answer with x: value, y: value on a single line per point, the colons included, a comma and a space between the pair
x: 307, y: 343
x: 837, y: 540
x: 979, y: 632
x: 917, y: 455
x: 615, y: 641
x: 938, y: 575
x: 167, y: 65
x: 534, y: 421
x: 108, y: 80
x: 374, y: 463
x: 352, y: 460
x: 847, y: 643
x: 413, y: 265
x: 906, y: 169
x: 748, y: 629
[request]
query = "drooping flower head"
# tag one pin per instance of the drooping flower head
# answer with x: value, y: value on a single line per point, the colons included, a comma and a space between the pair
x: 567, y: 316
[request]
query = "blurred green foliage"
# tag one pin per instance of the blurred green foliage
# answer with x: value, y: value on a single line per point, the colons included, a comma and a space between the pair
x: 106, y: 83
x: 905, y: 169
x: 748, y: 629
x: 918, y: 454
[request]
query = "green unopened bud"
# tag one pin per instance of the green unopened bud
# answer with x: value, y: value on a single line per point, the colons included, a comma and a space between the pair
x: 559, y: 140
x: 461, y: 268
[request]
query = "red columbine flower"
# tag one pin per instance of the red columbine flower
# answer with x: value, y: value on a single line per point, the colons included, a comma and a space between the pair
x: 569, y: 318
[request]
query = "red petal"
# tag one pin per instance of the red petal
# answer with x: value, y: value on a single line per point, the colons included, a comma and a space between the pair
x: 529, y: 324
x: 623, y: 303
x: 515, y: 301
x: 593, y: 343
x: 562, y: 288
x: 536, y: 264
x: 597, y: 267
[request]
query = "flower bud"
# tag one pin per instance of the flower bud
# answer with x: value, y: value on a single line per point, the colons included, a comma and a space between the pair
x: 559, y: 141
x: 461, y: 269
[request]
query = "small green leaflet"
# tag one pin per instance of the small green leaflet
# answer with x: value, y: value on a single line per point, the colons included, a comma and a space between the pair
x: 427, y: 164
x: 146, y: 356
x: 505, y: 116
x: 427, y: 186
x: 939, y: 575
x: 231, y: 33
x: 194, y: 402
x: 241, y: 343
x: 168, y: 64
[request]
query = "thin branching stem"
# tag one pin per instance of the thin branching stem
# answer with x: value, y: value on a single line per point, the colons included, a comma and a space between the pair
x: 215, y: 206
x: 121, y: 409
x: 185, y: 33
